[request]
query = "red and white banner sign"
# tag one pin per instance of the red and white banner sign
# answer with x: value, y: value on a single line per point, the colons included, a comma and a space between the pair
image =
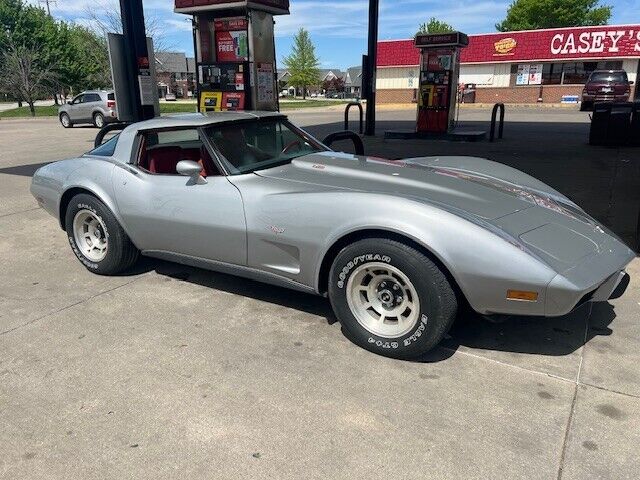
x: 556, y: 44
x: 580, y: 43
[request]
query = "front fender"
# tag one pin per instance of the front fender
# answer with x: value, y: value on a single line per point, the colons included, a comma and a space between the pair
x: 484, y: 264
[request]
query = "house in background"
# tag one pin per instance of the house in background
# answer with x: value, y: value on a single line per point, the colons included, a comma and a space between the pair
x: 353, y: 82
x: 352, y: 79
x: 175, y: 73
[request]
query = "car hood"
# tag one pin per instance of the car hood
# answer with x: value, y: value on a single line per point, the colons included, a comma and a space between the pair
x: 485, y: 189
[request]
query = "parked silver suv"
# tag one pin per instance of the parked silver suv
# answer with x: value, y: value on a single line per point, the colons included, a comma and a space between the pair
x: 93, y: 106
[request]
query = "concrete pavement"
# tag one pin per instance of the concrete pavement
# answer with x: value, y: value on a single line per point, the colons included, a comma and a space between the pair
x: 174, y: 372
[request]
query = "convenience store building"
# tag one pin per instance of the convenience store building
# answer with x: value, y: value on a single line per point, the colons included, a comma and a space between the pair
x: 519, y: 67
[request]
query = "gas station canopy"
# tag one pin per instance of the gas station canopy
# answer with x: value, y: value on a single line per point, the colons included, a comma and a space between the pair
x: 275, y: 7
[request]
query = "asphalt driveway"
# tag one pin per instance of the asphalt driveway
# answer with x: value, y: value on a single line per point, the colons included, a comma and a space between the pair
x: 174, y: 372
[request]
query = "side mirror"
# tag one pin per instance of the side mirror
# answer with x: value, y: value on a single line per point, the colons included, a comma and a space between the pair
x: 69, y: 102
x: 191, y: 169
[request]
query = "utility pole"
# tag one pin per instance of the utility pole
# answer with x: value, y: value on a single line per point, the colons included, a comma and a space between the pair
x: 48, y: 4
x: 371, y: 64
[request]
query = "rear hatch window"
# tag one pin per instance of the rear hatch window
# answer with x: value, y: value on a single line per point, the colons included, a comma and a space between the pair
x: 111, y: 96
x: 607, y: 77
x: 107, y: 149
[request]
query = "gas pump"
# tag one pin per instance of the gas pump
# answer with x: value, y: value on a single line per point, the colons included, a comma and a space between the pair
x: 439, y: 73
x: 235, y: 52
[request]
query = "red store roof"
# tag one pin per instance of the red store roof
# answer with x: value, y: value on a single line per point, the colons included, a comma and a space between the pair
x: 577, y: 43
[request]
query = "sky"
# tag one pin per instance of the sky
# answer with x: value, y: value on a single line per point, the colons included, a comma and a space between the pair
x: 338, y: 27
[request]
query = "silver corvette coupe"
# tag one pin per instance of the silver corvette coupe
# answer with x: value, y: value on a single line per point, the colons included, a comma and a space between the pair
x: 397, y: 246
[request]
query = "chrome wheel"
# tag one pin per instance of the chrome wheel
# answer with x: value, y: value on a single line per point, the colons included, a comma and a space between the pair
x: 383, y: 300
x: 66, y: 122
x: 98, y: 120
x: 90, y: 235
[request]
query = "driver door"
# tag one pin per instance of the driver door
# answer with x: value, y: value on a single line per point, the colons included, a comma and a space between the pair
x: 76, y: 109
x: 165, y: 212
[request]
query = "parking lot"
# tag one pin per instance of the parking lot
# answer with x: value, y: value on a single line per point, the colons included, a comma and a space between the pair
x: 175, y: 372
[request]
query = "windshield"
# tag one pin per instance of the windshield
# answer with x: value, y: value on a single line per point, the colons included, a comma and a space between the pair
x: 609, y: 77
x: 257, y: 145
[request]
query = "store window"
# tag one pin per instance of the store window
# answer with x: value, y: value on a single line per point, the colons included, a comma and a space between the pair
x: 568, y: 73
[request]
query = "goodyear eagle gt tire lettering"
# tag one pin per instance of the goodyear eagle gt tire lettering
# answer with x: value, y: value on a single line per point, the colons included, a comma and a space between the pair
x: 390, y: 298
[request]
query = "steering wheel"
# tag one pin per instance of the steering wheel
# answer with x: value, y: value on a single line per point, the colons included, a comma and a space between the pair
x: 295, y: 143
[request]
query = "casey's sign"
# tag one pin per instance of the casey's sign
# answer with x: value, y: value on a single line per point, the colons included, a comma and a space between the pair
x: 555, y: 44
x: 593, y: 42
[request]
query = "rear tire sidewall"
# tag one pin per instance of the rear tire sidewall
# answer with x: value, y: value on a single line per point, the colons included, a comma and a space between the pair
x: 98, y: 120
x: 112, y: 262
x: 437, y: 303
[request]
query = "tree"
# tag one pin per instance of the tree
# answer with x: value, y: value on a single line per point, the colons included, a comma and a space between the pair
x: 334, y: 85
x: 78, y: 54
x: 536, y: 14
x: 435, y: 26
x: 104, y: 17
x: 24, y: 72
x: 303, y: 63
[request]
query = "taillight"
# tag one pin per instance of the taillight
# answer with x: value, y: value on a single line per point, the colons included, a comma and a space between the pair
x: 111, y: 104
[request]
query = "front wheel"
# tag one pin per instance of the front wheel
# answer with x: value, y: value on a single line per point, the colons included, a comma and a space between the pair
x: 390, y: 298
x: 65, y: 120
x: 96, y: 237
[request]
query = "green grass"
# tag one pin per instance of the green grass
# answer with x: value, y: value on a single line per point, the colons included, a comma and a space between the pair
x: 177, y: 107
x: 48, y: 111
x: 309, y: 104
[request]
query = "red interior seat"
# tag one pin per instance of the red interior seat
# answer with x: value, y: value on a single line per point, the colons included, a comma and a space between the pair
x: 163, y: 160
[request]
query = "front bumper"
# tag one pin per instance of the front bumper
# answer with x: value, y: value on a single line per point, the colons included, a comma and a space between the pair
x: 598, y: 279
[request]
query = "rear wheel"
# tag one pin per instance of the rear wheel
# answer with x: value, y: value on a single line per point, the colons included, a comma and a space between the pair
x: 96, y: 237
x: 390, y: 298
x: 98, y: 120
x: 65, y: 120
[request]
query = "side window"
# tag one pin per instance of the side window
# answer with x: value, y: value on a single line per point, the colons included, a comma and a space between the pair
x: 160, y: 152
x: 91, y: 97
x: 78, y: 100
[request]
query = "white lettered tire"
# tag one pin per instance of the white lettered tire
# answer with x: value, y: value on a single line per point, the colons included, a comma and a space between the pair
x: 96, y: 237
x: 390, y: 298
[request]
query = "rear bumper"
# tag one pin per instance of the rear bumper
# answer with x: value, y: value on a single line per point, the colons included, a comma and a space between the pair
x: 604, y: 98
x: 110, y: 116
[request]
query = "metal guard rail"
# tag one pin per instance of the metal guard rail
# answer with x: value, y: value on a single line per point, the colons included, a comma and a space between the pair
x: 494, y: 114
x: 346, y: 135
x: 106, y: 129
x: 346, y: 116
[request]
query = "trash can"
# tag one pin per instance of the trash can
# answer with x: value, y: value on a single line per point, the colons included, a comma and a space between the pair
x: 469, y: 93
x: 619, y: 131
x: 600, y: 124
